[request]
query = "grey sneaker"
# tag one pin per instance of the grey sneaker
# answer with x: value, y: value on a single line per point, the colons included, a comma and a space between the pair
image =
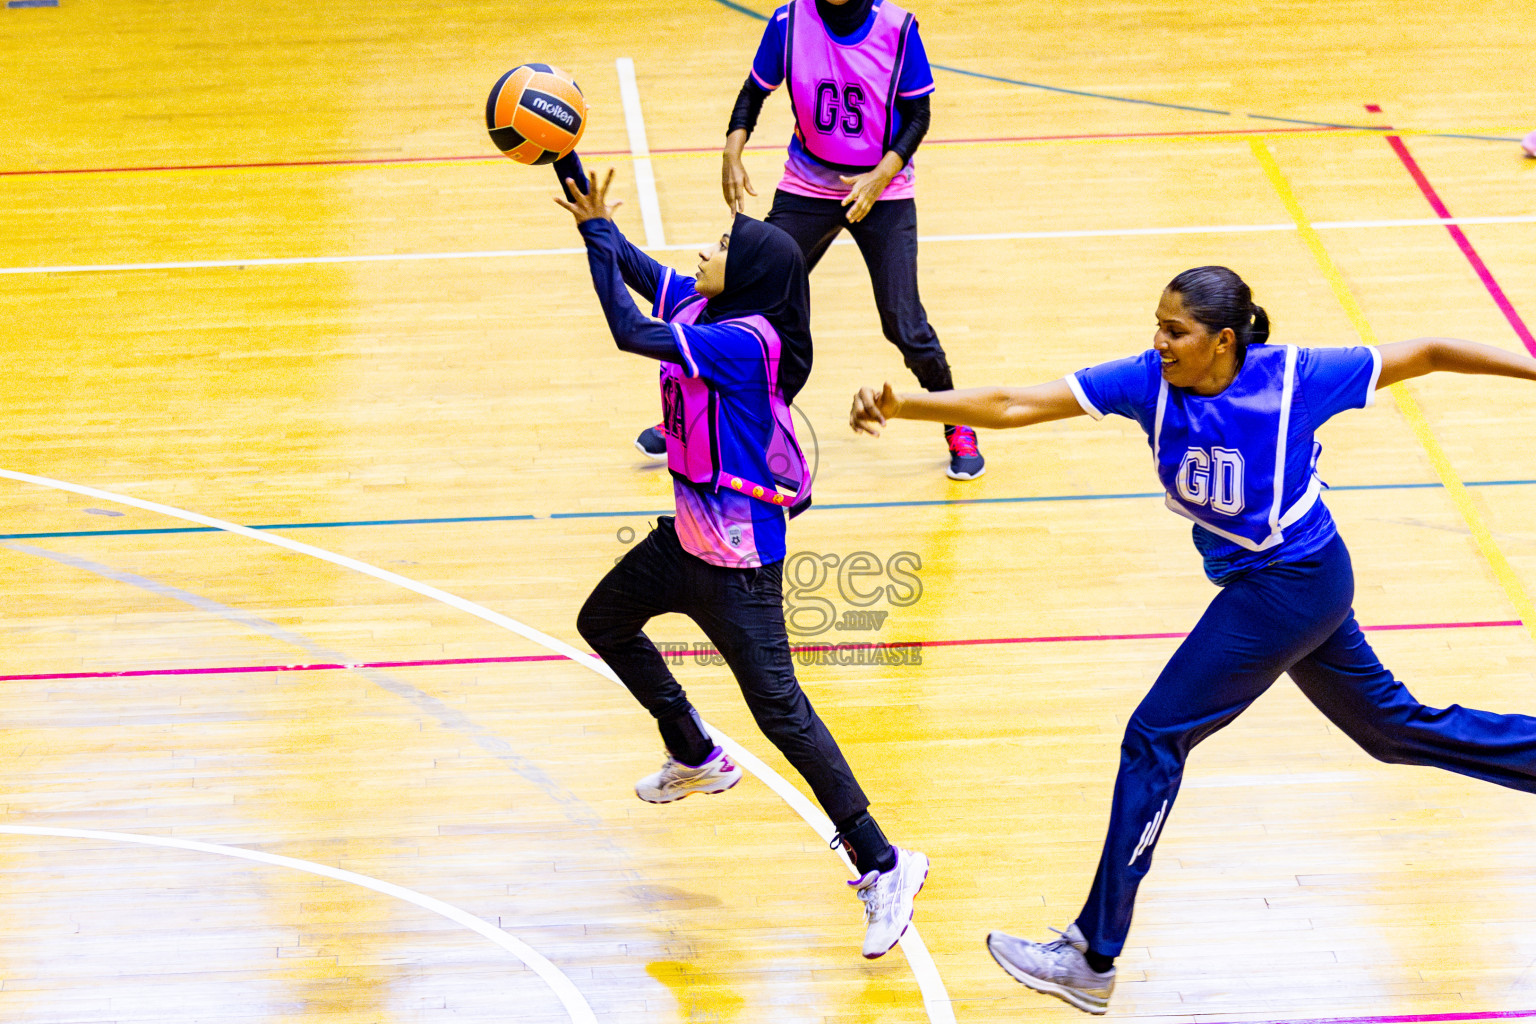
x: 652, y: 443
x: 1057, y: 968
x: 677, y: 780
x: 887, y: 897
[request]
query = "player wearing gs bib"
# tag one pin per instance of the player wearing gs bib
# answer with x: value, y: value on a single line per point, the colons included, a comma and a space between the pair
x: 1230, y: 421
x: 734, y: 347
x: 858, y: 82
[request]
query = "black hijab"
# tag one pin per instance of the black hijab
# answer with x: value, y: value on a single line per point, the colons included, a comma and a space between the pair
x: 765, y: 274
x: 844, y: 19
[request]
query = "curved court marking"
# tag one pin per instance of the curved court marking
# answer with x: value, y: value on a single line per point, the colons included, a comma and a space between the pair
x: 569, y: 996
x: 929, y: 983
x: 447, y: 717
x: 997, y: 236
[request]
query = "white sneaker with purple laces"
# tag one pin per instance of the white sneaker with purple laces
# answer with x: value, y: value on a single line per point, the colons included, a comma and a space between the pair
x: 887, y: 897
x: 677, y: 780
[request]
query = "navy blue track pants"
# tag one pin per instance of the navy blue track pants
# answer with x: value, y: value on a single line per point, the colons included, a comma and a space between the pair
x: 1293, y: 618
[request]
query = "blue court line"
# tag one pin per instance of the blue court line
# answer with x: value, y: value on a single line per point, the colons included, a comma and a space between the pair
x: 749, y: 12
x: 1319, y: 124
x: 738, y: 8
x: 1072, y: 92
x: 270, y: 526
x: 647, y: 512
x: 31, y: 3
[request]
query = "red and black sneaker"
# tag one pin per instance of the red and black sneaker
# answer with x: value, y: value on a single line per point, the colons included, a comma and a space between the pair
x: 965, y: 459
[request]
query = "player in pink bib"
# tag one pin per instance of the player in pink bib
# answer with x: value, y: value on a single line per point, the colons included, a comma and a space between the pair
x: 858, y: 81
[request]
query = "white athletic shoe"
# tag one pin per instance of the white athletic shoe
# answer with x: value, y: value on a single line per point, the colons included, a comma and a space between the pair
x: 677, y: 780
x: 1058, y: 968
x: 887, y: 897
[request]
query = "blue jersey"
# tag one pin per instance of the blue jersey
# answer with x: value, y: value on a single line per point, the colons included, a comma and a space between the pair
x: 1241, y: 464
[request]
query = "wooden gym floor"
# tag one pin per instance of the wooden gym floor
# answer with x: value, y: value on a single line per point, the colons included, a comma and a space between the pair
x: 260, y: 264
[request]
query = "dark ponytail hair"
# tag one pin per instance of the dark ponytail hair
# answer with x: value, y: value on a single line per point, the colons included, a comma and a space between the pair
x: 1218, y: 298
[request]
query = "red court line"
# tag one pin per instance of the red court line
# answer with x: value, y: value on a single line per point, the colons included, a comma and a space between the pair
x: 1460, y: 237
x: 492, y: 157
x: 691, y: 652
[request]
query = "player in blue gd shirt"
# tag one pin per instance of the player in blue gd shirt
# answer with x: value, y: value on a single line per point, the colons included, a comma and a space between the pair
x: 1230, y: 420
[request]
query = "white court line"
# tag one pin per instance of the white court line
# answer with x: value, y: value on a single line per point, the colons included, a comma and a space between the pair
x: 640, y: 149
x: 929, y: 983
x: 569, y: 996
x: 293, y: 261
x: 999, y: 236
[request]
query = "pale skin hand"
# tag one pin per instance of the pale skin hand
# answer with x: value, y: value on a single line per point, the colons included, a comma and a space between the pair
x: 734, y: 182
x: 865, y: 188
x: 590, y: 205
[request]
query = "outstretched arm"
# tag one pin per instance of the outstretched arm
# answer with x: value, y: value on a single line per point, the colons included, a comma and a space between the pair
x: 632, y: 330
x: 641, y: 273
x: 1403, y: 360
x: 997, y: 408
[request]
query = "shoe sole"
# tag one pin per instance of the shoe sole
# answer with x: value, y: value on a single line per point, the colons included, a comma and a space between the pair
x: 1050, y: 988
x: 691, y: 792
x: 887, y: 949
x: 653, y: 456
x: 965, y: 476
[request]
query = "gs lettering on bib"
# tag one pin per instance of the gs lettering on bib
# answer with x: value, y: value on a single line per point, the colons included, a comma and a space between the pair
x: 843, y: 95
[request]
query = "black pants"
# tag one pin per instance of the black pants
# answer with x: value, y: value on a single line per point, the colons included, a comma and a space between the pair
x: 887, y: 238
x: 742, y: 613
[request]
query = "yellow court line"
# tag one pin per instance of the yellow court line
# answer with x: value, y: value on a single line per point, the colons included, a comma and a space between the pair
x: 1406, y: 404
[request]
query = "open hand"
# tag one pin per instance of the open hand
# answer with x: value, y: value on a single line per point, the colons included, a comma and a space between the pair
x: 870, y: 409
x: 591, y: 205
x: 734, y: 182
x: 864, y: 189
